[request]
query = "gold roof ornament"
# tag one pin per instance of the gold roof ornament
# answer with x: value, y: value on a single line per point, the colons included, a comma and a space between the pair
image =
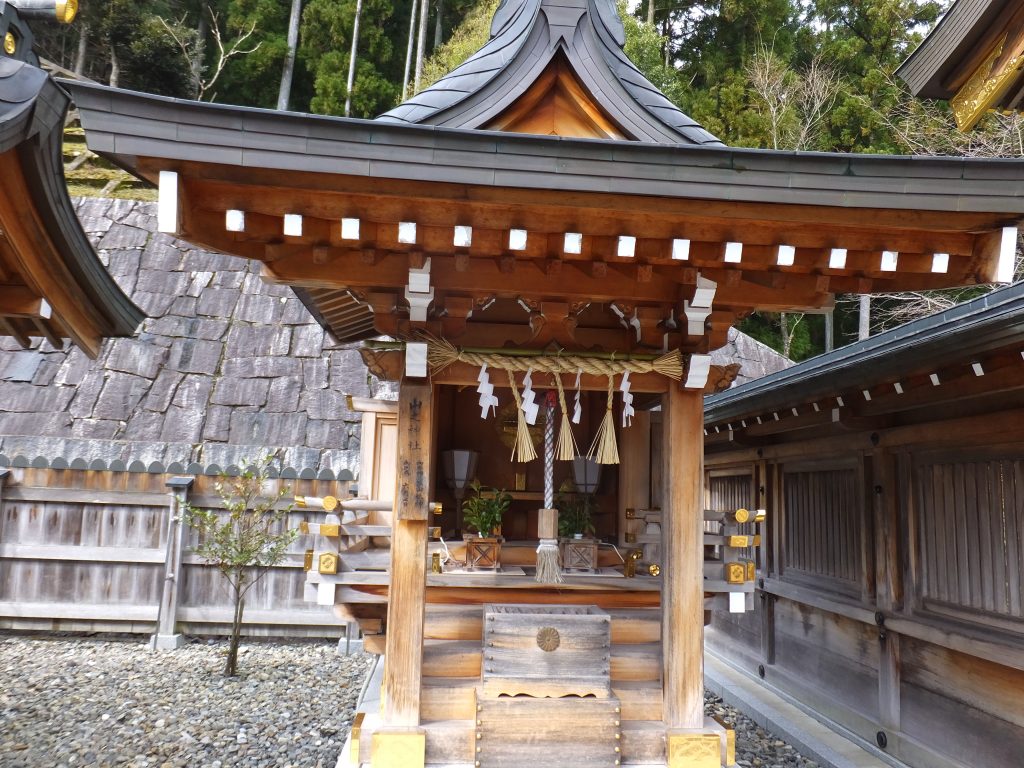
x: 10, y: 44
x: 66, y: 10
x: 985, y: 88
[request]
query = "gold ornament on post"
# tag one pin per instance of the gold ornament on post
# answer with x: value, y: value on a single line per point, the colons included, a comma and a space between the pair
x: 66, y: 10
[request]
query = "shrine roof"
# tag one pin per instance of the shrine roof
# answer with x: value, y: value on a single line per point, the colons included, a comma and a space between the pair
x: 964, y: 332
x: 526, y: 36
x: 128, y: 127
x: 952, y: 41
x: 54, y: 283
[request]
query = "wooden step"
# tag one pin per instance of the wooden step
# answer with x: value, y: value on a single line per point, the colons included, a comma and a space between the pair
x: 636, y: 662
x: 454, y: 622
x: 448, y: 698
x: 643, y: 741
x: 639, y: 699
x: 556, y: 733
x: 636, y: 625
x: 451, y: 658
x: 450, y: 741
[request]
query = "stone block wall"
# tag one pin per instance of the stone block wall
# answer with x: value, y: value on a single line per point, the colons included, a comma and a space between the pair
x: 225, y: 368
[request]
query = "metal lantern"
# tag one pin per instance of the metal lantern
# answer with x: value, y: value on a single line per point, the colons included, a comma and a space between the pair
x: 586, y: 474
x: 459, y: 470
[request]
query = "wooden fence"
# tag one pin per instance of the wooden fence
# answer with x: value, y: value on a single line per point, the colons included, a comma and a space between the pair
x: 91, y: 550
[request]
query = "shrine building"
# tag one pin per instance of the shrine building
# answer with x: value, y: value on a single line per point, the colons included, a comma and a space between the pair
x: 543, y: 251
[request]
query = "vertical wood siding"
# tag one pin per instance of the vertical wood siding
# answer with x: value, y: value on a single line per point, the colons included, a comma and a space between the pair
x: 823, y: 525
x: 84, y: 550
x: 970, y: 529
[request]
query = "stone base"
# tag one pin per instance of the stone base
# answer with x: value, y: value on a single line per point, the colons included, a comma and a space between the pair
x: 166, y: 642
x: 398, y: 748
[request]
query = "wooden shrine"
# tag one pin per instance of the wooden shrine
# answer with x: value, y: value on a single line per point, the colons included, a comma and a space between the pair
x: 546, y: 240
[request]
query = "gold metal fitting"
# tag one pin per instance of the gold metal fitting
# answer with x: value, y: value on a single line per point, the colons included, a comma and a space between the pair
x: 735, y: 573
x: 328, y: 563
x: 630, y: 568
x: 654, y: 569
x: 631, y: 514
x: 742, y: 515
x: 304, y: 527
x: 307, y: 560
x: 300, y: 501
x: 630, y: 537
x: 10, y: 44
x: 437, y: 507
x: 330, y: 529
x: 330, y: 503
x: 751, y: 570
x: 66, y: 11
x: 435, y: 563
x: 434, y: 532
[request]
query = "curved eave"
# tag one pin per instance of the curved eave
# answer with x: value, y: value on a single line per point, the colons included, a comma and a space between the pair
x: 526, y: 37
x: 87, y: 303
x: 973, y: 328
x: 128, y: 127
x: 951, y: 41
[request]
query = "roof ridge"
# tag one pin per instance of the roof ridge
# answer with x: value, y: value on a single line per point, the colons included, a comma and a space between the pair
x: 526, y: 36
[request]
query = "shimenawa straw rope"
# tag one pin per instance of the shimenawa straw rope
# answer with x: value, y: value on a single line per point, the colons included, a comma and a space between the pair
x: 566, y: 449
x: 604, y: 449
x: 523, y: 449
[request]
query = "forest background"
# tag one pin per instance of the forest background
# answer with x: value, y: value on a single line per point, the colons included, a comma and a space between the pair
x: 782, y: 74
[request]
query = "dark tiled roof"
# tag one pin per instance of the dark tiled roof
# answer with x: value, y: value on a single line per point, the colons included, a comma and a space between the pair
x: 989, y: 322
x: 953, y: 38
x: 32, y: 109
x: 525, y: 36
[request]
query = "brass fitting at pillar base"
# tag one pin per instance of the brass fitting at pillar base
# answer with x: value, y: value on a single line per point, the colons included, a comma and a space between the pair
x: 629, y: 571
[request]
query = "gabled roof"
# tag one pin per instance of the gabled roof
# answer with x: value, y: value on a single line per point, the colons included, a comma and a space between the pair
x: 966, y: 25
x: 52, y: 283
x: 527, y: 37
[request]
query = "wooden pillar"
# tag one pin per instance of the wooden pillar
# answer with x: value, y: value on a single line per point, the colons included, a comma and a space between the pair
x: 886, y: 494
x: 400, y: 742
x: 682, y: 592
x: 634, y: 474
x: 166, y: 636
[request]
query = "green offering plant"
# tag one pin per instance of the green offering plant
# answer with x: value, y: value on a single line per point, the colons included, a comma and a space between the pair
x: 574, y: 515
x: 245, y: 539
x: 483, y: 511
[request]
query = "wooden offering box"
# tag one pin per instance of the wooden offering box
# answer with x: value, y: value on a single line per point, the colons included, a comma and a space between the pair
x: 541, y: 650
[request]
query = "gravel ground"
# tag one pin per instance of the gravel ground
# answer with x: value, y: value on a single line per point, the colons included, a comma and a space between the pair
x: 754, y: 745
x: 86, y: 702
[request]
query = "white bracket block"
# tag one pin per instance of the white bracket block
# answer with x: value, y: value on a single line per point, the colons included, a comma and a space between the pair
x: 234, y: 221
x: 1007, y: 255
x: 697, y: 372
x: 704, y: 294
x: 416, y: 360
x: 695, y: 318
x: 167, y: 203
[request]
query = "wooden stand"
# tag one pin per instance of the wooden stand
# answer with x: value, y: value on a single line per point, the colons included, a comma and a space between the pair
x: 579, y: 555
x: 483, y: 553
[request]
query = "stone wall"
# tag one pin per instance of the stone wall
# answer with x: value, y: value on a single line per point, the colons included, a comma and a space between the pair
x: 225, y: 368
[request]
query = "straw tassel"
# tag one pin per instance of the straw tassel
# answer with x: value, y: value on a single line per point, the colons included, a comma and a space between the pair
x: 604, y: 449
x: 523, y: 450
x: 549, y: 570
x: 566, y: 449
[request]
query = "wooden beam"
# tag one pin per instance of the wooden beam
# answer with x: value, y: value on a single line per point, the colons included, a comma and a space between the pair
x: 407, y: 593
x: 682, y: 634
x: 19, y: 301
